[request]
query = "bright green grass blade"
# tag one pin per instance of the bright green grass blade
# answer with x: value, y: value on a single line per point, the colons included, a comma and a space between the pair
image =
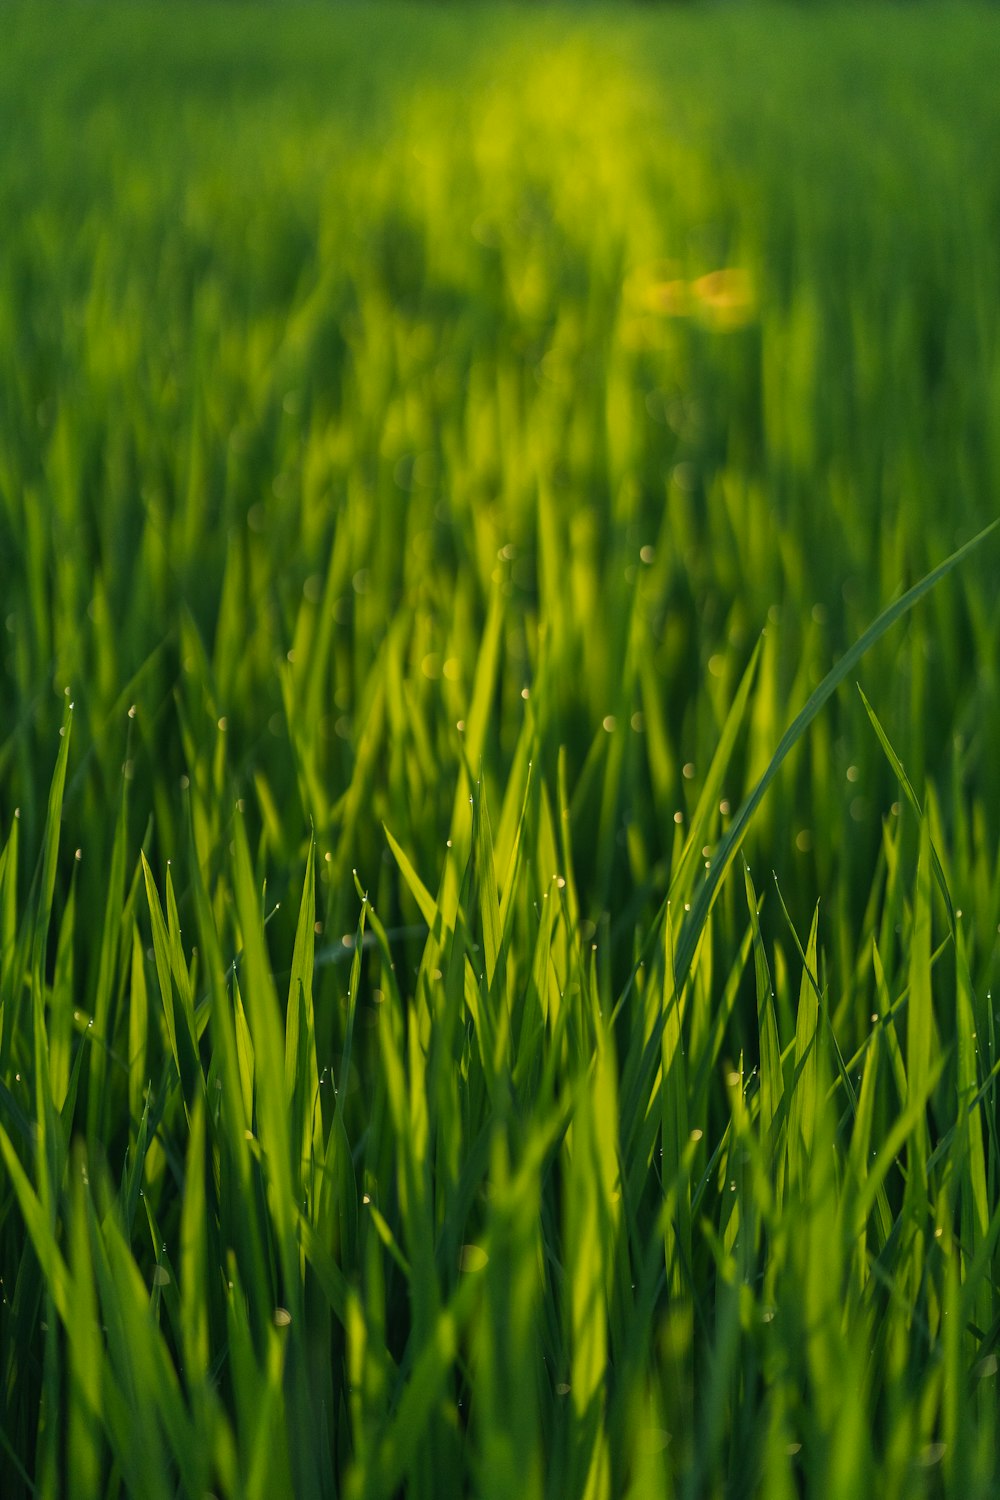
x: 41, y: 1233
x: 246, y: 1056
x: 771, y: 1080
x: 301, y: 1067
x: 920, y: 1010
x: 729, y: 845
x: 911, y: 797
x: 329, y: 1275
x: 512, y: 880
x: 974, y: 1204
x: 682, y: 876
x: 674, y: 1130
x: 269, y: 1071
x: 97, y: 1101
x: 807, y: 1092
x: 50, y: 847
x: 138, y: 1027
x: 477, y: 718
x: 810, y: 972
x: 489, y: 896
x: 587, y: 1269
x: 161, y: 951
x: 193, y: 1264
x: 87, y: 1369
x: 137, y: 1349
x: 425, y: 901
x: 862, y: 1150
x: 904, y: 1126
x: 60, y: 1021
x: 132, y: 1174
x: 239, y: 1225
x: 179, y: 969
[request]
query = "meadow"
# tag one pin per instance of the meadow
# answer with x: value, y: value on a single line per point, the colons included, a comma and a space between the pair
x: 499, y: 777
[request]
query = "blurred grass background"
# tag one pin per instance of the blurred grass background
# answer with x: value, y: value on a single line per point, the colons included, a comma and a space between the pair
x: 304, y: 329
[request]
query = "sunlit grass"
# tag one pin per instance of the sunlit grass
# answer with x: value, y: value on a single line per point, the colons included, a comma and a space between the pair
x: 442, y: 453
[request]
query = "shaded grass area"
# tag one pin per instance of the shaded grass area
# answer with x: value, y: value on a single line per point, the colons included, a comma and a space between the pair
x: 409, y: 423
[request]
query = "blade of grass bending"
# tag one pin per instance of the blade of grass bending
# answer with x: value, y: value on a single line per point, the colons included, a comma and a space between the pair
x: 41, y: 1233
x: 332, y: 1281
x: 680, y: 878
x: 420, y: 893
x: 726, y: 852
x: 809, y: 975
x: 911, y: 797
x: 944, y: 1145
x: 906, y: 1123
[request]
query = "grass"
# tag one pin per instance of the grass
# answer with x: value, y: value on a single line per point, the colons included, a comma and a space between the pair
x: 450, y: 467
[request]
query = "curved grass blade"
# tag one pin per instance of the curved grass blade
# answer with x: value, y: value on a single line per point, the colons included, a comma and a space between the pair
x: 726, y: 852
x: 912, y: 799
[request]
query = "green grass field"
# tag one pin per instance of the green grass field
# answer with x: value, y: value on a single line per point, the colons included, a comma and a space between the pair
x: 450, y: 1043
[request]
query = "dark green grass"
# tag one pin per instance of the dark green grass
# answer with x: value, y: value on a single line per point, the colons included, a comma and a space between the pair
x: 441, y: 453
